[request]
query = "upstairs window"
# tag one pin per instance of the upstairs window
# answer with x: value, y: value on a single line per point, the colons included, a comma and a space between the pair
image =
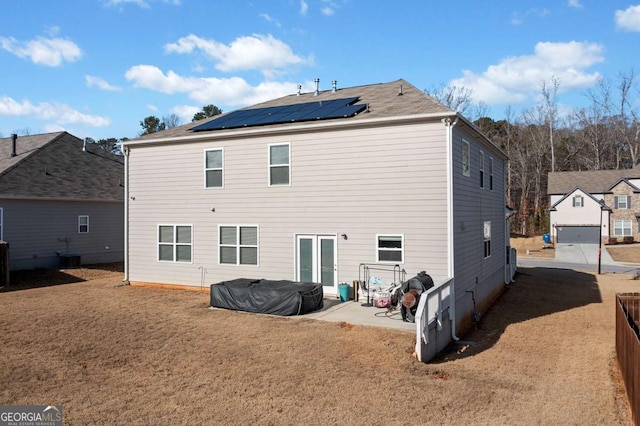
x: 622, y: 202
x: 83, y: 224
x: 279, y: 164
x: 174, y: 243
x: 578, y: 201
x: 491, y: 173
x: 390, y: 248
x: 466, y: 168
x: 481, y: 161
x: 214, y: 168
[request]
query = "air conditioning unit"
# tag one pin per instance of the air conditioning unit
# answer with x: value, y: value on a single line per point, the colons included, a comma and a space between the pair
x: 69, y: 261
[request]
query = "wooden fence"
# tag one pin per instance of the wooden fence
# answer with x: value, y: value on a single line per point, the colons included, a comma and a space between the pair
x: 628, y: 347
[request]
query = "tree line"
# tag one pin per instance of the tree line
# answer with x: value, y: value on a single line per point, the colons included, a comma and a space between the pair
x: 603, y: 135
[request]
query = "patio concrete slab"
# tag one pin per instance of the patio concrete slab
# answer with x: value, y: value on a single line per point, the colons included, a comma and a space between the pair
x: 360, y: 313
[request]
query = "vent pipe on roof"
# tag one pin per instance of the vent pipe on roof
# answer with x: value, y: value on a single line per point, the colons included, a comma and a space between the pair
x: 317, y: 92
x: 334, y: 86
x: 299, y: 90
x: 400, y: 91
x: 14, y: 139
x: 84, y: 145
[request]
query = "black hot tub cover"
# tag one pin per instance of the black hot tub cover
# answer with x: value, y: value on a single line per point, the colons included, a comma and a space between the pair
x: 267, y: 297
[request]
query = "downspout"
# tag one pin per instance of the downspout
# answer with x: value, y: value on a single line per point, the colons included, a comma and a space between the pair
x: 450, y: 240
x: 125, y: 151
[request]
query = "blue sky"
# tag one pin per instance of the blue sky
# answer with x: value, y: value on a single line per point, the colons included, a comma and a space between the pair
x: 96, y: 68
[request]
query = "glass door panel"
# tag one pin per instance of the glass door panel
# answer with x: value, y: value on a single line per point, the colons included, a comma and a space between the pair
x: 327, y: 261
x: 305, y: 259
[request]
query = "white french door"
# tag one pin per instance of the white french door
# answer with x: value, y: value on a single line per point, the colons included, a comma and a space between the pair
x: 317, y: 260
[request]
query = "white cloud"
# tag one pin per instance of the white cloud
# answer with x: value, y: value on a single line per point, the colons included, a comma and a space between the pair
x: 153, y: 107
x: 185, y: 112
x: 100, y: 84
x: 330, y: 7
x: 304, y: 6
x: 327, y: 11
x: 244, y: 53
x: 575, y: 4
x: 208, y: 90
x: 45, y: 51
x: 57, y: 112
x: 518, y: 18
x: 270, y: 19
x: 517, y: 79
x: 629, y: 19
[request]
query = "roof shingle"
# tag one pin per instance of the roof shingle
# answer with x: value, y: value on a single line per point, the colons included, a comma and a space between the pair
x: 54, y: 165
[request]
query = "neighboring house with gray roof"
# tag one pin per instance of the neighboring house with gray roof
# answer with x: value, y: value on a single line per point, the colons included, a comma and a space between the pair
x: 312, y: 186
x: 61, y: 201
x: 590, y: 206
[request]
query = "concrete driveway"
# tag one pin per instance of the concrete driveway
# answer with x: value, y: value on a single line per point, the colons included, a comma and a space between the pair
x: 582, y: 253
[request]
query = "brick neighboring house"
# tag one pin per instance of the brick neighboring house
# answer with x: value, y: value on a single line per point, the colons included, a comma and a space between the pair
x: 589, y: 205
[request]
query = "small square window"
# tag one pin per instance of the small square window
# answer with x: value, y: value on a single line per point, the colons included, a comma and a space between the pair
x: 174, y: 243
x: 622, y: 202
x: 238, y: 245
x: 390, y: 248
x: 83, y: 224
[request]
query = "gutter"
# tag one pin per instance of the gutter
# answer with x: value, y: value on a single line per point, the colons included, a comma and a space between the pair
x: 449, y: 125
x: 257, y: 131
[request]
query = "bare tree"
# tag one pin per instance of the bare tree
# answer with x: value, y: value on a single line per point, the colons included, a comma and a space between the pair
x: 171, y: 120
x: 457, y: 98
x: 550, y: 97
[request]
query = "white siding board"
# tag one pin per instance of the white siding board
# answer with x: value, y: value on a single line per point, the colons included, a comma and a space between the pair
x: 356, y: 182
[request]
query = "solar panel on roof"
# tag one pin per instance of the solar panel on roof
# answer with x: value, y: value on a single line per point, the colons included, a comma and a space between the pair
x: 308, y: 111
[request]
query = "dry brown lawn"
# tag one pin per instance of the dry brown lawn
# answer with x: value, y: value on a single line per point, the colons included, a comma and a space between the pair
x: 111, y: 354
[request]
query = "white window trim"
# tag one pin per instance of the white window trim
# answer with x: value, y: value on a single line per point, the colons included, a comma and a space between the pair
x: 490, y: 173
x: 626, y: 202
x: 485, y: 239
x: 377, y: 247
x: 80, y: 224
x: 213, y: 168
x: 481, y: 168
x: 624, y: 221
x: 269, y: 165
x: 174, y: 244
x: 467, y: 172
x: 577, y: 197
x: 238, y: 246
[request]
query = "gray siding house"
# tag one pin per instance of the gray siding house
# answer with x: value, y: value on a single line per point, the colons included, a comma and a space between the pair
x: 402, y: 181
x: 61, y: 201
